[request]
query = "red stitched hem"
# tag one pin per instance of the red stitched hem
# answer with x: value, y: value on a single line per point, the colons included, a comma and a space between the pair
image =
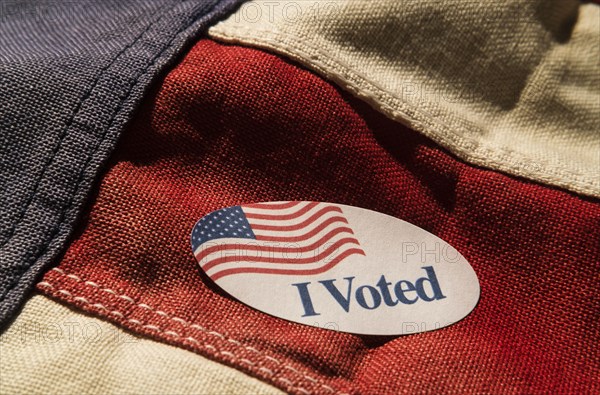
x: 160, y: 325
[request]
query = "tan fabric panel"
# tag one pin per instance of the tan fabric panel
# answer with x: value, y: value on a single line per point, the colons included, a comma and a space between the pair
x: 51, y: 349
x: 510, y: 85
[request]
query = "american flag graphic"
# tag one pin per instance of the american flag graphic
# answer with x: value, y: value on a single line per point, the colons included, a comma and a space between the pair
x: 292, y: 238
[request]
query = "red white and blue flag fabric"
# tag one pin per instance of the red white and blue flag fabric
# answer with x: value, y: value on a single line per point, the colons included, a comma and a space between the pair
x: 231, y: 124
x: 294, y: 238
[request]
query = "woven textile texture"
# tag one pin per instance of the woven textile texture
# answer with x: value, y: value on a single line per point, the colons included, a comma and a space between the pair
x: 71, y: 74
x: 232, y: 125
x: 510, y: 85
x: 51, y: 349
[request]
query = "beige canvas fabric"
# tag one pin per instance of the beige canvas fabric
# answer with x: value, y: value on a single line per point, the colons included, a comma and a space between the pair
x: 50, y: 349
x: 510, y: 85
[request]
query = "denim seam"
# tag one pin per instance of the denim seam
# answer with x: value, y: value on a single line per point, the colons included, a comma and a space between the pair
x: 56, y: 230
x: 68, y: 124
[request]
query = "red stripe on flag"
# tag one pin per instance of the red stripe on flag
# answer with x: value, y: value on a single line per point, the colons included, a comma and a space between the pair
x: 251, y: 247
x: 308, y: 235
x: 335, y: 261
x: 272, y: 206
x: 282, y: 217
x: 301, y: 225
x: 247, y: 258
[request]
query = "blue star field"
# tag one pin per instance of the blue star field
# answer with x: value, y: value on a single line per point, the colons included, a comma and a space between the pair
x: 229, y: 222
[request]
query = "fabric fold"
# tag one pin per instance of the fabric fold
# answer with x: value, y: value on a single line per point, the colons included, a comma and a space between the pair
x: 232, y: 125
x: 508, y: 85
x: 71, y: 77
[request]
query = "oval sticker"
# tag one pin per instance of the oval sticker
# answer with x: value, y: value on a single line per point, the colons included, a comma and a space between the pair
x: 336, y: 267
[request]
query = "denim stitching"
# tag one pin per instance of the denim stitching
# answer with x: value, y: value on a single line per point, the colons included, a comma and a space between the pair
x: 64, y: 133
x: 56, y: 229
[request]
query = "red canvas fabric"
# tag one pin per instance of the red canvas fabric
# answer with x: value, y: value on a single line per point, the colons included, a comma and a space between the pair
x: 232, y: 125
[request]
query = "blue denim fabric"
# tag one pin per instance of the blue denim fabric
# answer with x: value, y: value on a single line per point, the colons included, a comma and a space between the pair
x: 71, y: 76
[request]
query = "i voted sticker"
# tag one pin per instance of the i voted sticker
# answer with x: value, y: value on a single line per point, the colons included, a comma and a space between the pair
x: 336, y: 267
